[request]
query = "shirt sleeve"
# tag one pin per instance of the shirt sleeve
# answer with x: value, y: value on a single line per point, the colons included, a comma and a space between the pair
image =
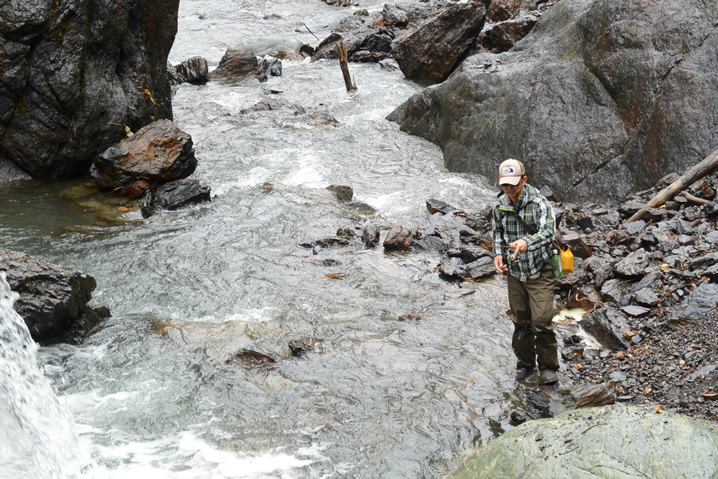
x: 547, y: 226
x: 498, y: 229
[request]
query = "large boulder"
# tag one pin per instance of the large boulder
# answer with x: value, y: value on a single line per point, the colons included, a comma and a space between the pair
x: 433, y: 50
x: 75, y: 73
x: 602, y: 98
x: 53, y: 299
x: 157, y: 154
x: 616, y: 441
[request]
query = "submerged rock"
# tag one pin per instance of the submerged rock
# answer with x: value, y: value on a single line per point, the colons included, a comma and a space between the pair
x: 638, y: 442
x: 53, y: 299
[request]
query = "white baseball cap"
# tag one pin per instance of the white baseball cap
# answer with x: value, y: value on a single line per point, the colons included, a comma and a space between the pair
x: 510, y: 172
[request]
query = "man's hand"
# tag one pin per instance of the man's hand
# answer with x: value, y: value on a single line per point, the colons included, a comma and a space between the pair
x: 519, y: 246
x: 499, y: 264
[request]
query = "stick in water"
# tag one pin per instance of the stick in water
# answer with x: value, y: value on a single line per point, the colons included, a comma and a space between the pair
x: 342, y: 51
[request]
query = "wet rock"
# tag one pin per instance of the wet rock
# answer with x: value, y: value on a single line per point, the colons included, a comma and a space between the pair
x: 158, y: 153
x: 299, y: 347
x: 193, y: 70
x: 361, y: 208
x: 238, y: 64
x: 469, y: 254
x: 452, y: 268
x: 370, y: 236
x: 322, y: 118
x: 175, y: 195
x: 74, y: 74
x: 342, y: 193
x: 503, y: 36
x: 330, y: 241
x: 607, y: 326
x: 394, y: 15
x: 53, y: 299
x: 347, y: 233
x: 437, y: 206
x: 272, y: 104
x: 251, y: 358
x: 436, y: 47
x: 397, y: 238
x: 595, y: 396
x: 481, y: 268
x: 429, y: 243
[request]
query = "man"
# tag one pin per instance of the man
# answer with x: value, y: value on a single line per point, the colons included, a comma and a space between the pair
x: 523, y: 249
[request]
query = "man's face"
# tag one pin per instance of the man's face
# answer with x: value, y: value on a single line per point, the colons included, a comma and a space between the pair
x: 514, y: 191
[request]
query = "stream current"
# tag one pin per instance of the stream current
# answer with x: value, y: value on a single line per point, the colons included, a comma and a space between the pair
x: 154, y: 392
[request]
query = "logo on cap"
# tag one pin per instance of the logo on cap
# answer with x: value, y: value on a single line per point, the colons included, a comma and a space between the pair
x: 508, y: 170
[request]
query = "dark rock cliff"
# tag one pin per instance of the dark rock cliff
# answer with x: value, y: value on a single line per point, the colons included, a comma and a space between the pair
x: 74, y: 73
x: 602, y: 98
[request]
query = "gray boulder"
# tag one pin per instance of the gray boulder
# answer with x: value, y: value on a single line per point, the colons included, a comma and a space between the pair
x: 74, y: 74
x: 602, y: 98
x: 617, y: 441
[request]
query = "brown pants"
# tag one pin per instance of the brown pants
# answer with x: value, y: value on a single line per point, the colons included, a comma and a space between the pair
x: 532, y: 306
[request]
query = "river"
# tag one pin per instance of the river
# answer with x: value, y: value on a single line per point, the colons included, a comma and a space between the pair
x: 155, y: 393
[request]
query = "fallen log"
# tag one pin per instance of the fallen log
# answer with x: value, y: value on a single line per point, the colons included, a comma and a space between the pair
x: 343, y: 58
x: 689, y: 177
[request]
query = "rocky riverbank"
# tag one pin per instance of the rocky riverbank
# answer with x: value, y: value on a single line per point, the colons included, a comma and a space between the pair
x: 647, y: 290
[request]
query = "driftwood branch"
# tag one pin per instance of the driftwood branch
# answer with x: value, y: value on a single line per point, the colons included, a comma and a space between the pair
x: 689, y: 177
x: 343, y: 58
x: 694, y: 199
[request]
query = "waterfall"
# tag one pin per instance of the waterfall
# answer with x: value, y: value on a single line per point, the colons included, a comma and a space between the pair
x: 38, y: 435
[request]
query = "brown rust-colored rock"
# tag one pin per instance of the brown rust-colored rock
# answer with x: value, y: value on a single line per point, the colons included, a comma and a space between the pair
x: 398, y: 237
x: 158, y: 153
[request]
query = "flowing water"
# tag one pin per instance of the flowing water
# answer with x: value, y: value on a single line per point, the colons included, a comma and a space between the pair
x: 155, y: 391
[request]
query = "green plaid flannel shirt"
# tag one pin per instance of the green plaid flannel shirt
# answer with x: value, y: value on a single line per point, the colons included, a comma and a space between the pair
x: 537, y: 212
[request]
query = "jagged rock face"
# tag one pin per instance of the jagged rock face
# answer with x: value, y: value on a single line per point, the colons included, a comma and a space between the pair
x: 73, y: 73
x: 602, y: 98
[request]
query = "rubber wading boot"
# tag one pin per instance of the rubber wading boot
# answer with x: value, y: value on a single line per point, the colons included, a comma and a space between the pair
x: 523, y: 373
x: 548, y: 377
